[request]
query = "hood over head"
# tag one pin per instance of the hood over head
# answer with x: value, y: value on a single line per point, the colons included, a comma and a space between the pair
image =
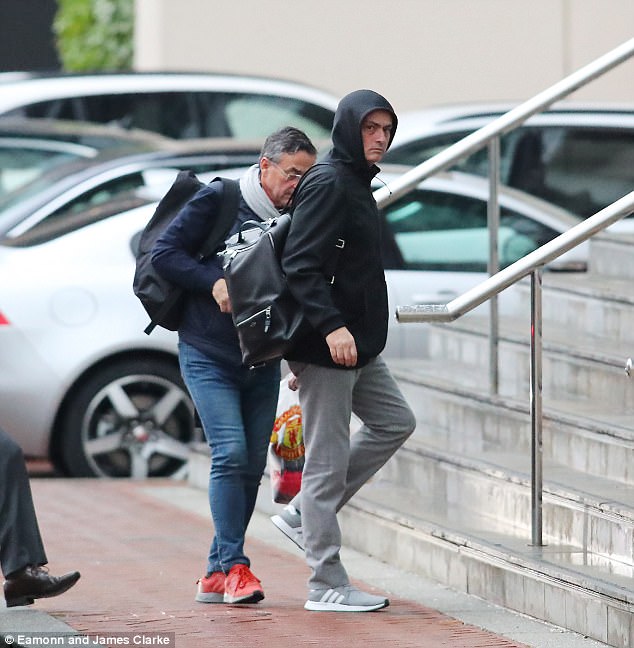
x: 346, y: 130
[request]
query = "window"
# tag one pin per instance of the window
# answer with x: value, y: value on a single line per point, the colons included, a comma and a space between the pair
x: 422, y: 149
x: 581, y: 169
x: 250, y: 116
x: 442, y: 231
x: 65, y: 108
x: 21, y: 165
x: 587, y: 169
x: 97, y: 204
x: 191, y: 114
x: 169, y: 113
x: 477, y: 163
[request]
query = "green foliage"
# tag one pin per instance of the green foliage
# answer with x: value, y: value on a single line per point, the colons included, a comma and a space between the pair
x: 95, y: 34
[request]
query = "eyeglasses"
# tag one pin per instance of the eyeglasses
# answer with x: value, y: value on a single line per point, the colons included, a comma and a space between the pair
x: 290, y: 177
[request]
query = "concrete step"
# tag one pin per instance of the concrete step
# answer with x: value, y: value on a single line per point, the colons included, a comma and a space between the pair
x: 577, y: 367
x: 489, y: 490
x: 456, y: 503
x: 588, y: 304
x: 466, y: 417
x: 561, y: 584
x: 471, y: 430
x: 612, y: 255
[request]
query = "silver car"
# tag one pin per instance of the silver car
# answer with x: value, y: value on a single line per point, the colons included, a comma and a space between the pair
x: 82, y: 384
x: 179, y: 105
x: 577, y: 156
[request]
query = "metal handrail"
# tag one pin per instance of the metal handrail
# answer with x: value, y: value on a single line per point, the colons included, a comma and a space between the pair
x: 490, y: 134
x: 530, y: 264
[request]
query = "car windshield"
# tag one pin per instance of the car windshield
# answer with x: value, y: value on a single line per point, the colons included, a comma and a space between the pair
x: 79, y: 185
x: 53, y: 227
x: 21, y: 165
x: 41, y: 181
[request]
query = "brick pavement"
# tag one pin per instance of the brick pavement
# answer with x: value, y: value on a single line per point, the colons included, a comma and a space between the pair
x: 140, y: 557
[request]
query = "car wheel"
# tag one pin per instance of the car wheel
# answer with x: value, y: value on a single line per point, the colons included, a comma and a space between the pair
x: 132, y: 419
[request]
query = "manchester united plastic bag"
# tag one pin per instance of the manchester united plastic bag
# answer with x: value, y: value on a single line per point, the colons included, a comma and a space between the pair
x: 286, y: 448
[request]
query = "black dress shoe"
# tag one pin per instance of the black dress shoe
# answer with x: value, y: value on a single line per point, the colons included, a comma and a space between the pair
x: 23, y: 587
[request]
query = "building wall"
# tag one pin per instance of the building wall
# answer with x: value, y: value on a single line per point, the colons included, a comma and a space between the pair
x: 416, y: 52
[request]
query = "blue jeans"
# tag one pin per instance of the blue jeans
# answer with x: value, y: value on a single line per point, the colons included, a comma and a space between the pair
x: 237, y: 408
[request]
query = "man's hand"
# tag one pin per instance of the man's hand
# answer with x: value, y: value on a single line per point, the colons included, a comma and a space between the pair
x: 343, y: 348
x: 221, y: 295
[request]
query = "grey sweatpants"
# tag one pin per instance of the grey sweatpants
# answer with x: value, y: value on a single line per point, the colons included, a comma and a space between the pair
x: 337, y: 463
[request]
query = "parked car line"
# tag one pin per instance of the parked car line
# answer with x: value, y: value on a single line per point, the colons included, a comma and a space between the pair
x: 82, y: 384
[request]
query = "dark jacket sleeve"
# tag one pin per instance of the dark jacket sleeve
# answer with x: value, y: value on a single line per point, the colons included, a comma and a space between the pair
x: 175, y: 253
x: 317, y: 224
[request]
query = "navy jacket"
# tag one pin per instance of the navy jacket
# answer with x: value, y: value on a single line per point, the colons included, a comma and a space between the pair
x: 174, y: 257
x: 334, y: 200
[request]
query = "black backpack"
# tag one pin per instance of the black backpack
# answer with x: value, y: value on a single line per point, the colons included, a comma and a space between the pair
x: 161, y: 299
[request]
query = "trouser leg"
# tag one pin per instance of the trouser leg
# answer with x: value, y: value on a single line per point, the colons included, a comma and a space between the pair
x: 20, y: 540
x: 336, y: 466
x: 237, y: 410
x: 387, y: 423
x: 326, y: 401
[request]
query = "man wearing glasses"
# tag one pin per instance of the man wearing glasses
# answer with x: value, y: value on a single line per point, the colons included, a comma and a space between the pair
x: 236, y: 404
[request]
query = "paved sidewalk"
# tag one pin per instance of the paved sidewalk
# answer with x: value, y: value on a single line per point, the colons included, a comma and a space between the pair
x: 140, y: 547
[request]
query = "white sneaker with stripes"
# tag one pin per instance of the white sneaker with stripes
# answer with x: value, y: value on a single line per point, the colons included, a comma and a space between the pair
x: 289, y: 522
x: 344, y: 599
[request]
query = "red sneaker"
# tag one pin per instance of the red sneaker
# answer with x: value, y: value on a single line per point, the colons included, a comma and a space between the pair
x: 211, y: 589
x: 242, y: 586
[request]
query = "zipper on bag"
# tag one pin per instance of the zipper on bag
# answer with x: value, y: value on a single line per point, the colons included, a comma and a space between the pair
x: 253, y: 320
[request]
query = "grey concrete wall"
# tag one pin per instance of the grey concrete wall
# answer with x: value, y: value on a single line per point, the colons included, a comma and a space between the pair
x: 417, y: 52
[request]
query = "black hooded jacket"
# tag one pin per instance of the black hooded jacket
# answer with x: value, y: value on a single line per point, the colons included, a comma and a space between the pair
x: 334, y: 201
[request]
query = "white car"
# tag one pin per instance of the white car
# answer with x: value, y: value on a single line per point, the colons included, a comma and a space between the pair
x: 31, y: 147
x: 117, y: 178
x: 81, y: 383
x: 436, y: 246
x: 577, y: 156
x: 179, y: 105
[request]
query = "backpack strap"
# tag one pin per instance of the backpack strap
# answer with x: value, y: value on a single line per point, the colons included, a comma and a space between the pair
x: 226, y: 217
x: 219, y: 229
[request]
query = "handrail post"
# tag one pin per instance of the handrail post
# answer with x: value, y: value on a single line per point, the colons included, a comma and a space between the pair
x: 536, y: 406
x: 493, y: 221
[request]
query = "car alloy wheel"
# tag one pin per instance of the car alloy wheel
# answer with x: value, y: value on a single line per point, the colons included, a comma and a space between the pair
x: 132, y: 419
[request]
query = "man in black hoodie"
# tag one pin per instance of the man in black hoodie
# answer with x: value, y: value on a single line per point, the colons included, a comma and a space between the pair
x: 337, y: 363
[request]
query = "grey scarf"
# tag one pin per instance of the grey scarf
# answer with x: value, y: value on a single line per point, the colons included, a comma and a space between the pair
x: 255, y: 196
